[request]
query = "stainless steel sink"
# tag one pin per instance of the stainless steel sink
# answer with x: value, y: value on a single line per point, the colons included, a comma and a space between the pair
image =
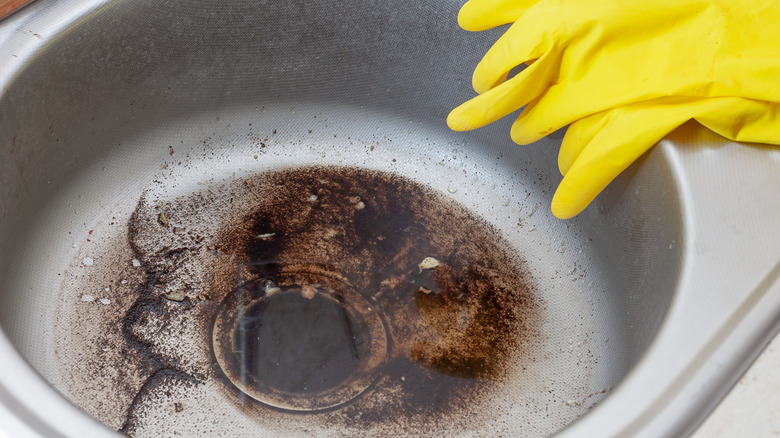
x: 127, y: 128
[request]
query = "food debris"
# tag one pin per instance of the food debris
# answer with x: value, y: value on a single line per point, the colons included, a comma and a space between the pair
x: 105, y: 301
x: 87, y: 298
x: 308, y: 291
x: 177, y: 295
x: 170, y: 150
x: 163, y: 219
x: 178, y: 407
x: 271, y: 288
x: 424, y: 290
x: 123, y: 282
x: 88, y: 261
x: 357, y: 202
x: 136, y: 263
x: 178, y: 230
x: 428, y: 263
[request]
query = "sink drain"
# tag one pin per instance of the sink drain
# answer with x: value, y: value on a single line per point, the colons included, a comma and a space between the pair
x: 299, y: 342
x: 359, y: 298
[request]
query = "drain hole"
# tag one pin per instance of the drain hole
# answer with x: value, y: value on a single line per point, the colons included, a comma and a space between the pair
x: 296, y: 344
x: 300, y: 341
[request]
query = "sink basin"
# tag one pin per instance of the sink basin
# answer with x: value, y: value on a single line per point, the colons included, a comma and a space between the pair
x: 177, y: 177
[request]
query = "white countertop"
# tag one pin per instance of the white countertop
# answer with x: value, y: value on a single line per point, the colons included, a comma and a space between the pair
x: 752, y: 408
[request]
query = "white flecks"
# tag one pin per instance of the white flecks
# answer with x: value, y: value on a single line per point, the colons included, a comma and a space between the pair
x: 88, y: 261
x: 572, y: 403
x: 136, y: 263
x: 87, y: 298
x: 271, y: 289
x: 428, y: 263
x: 108, y: 289
x: 313, y: 198
x: 105, y: 301
x: 75, y: 246
x: 266, y: 235
x: 357, y: 203
x: 452, y: 189
x: 177, y: 295
x: 123, y: 282
x: 308, y: 291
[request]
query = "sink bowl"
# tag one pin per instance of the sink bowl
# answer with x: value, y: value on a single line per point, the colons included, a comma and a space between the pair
x: 218, y: 219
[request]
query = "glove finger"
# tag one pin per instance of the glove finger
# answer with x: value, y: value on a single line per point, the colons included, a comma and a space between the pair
x: 533, y: 35
x: 578, y: 135
x: 735, y: 118
x: 621, y: 136
x: 544, y: 117
x: 478, y: 15
x: 505, y: 98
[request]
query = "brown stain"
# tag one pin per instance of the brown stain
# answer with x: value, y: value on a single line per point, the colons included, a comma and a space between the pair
x: 449, y: 345
x: 453, y: 332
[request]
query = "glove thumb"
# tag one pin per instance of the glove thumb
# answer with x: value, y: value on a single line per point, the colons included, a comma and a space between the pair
x: 598, y: 148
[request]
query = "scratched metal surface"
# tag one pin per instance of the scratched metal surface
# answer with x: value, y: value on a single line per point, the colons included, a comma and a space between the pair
x: 641, y: 309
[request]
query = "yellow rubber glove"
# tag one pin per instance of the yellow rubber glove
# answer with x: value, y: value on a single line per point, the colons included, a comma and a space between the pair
x: 625, y: 74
